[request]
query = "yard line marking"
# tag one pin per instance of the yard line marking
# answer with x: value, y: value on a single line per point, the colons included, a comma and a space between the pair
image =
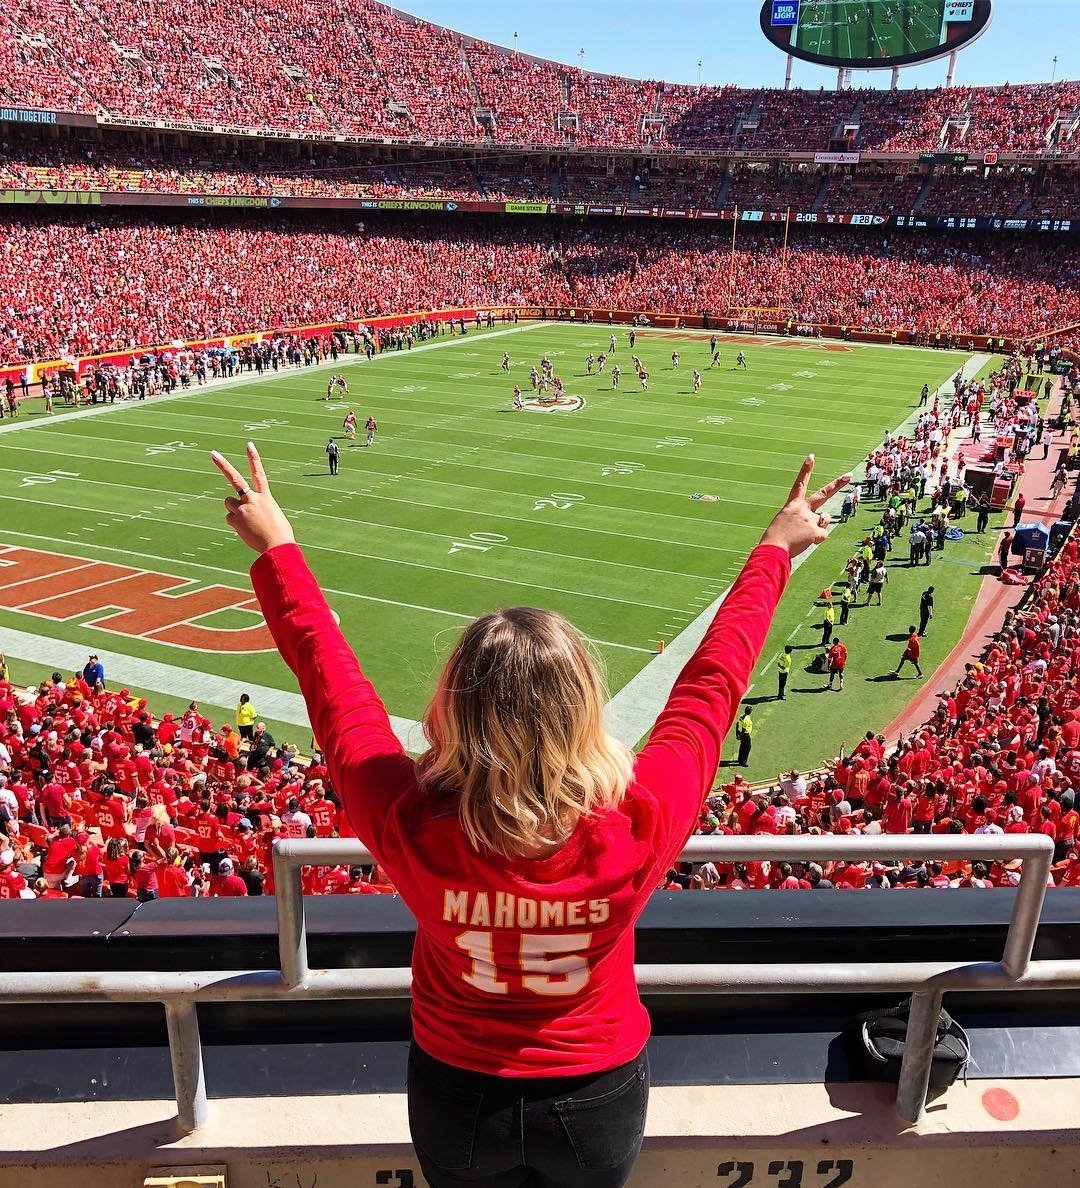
x: 664, y: 471
x: 441, y: 507
x: 239, y: 574
x: 232, y: 573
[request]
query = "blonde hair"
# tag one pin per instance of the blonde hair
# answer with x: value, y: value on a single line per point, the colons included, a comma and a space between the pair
x: 517, y: 734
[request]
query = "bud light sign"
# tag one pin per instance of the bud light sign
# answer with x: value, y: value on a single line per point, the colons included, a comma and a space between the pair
x: 785, y: 13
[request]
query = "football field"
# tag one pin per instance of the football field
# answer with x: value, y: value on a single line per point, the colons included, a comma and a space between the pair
x: 629, y: 512
x: 868, y: 29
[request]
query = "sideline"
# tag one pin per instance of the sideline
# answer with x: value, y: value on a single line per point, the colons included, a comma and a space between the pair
x: 629, y: 715
x: 194, y: 684
x: 342, y: 361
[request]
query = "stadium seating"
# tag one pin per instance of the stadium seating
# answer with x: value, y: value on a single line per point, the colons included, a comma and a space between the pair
x: 360, y: 68
x: 143, y: 279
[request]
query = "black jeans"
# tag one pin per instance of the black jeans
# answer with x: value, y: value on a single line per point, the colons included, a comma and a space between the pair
x: 542, y: 1132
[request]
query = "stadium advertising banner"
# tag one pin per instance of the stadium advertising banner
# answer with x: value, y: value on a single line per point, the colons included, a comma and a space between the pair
x: 52, y: 197
x: 580, y: 210
x: 28, y: 115
x: 872, y: 34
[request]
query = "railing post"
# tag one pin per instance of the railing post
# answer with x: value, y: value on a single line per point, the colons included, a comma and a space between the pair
x: 185, y: 1052
x: 918, y: 1055
x: 1026, y: 912
x: 292, y: 925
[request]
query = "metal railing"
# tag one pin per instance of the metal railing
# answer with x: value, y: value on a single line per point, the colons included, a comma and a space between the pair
x: 926, y: 981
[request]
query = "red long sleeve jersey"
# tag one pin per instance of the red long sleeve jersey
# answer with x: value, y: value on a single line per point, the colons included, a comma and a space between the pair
x: 521, y: 967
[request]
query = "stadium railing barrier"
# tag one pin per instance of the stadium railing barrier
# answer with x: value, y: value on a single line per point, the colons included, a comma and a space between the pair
x: 180, y: 992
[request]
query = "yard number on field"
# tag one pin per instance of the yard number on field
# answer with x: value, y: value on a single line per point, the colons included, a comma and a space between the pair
x: 560, y: 500
x: 621, y: 468
x: 479, y: 542
x: 269, y: 423
x: 171, y: 447
x: 668, y: 443
x: 35, y: 480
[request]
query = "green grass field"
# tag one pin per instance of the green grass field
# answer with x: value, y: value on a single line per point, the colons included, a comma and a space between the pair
x: 869, y: 29
x: 464, y: 504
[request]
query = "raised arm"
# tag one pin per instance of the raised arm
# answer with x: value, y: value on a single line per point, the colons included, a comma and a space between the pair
x: 368, y: 763
x: 681, y: 757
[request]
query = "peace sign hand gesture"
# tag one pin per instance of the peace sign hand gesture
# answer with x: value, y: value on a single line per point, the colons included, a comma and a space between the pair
x: 799, y: 524
x: 253, y: 513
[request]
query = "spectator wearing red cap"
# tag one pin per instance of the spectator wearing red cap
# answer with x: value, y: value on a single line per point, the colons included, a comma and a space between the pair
x: 167, y: 730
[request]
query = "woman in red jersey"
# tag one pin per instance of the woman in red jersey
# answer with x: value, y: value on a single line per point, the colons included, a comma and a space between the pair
x: 526, y: 842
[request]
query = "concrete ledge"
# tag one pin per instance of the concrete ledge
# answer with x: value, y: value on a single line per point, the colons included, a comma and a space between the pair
x: 1014, y: 1133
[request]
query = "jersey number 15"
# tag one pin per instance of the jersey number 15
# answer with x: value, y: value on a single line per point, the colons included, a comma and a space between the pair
x: 551, y: 965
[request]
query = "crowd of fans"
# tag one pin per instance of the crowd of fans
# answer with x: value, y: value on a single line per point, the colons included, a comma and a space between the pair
x: 360, y: 68
x: 314, y: 171
x: 99, y: 798
x: 141, y: 279
x: 1001, y: 752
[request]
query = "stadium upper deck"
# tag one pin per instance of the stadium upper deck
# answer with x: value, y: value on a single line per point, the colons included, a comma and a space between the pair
x: 368, y: 71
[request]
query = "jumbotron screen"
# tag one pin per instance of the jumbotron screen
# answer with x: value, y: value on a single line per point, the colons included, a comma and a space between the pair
x: 872, y: 33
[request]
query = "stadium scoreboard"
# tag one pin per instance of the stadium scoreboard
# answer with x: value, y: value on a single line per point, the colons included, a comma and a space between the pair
x: 872, y: 34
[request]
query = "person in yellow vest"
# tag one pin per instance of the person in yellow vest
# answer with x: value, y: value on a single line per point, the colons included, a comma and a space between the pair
x: 828, y: 622
x: 245, y: 717
x: 744, y: 732
x: 783, y: 671
x: 847, y: 597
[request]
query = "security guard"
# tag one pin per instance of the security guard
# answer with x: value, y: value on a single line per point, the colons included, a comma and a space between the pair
x: 783, y: 671
x: 744, y: 731
x: 847, y: 597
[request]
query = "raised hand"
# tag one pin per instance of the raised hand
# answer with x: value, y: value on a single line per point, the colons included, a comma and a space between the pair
x: 799, y: 524
x: 253, y: 513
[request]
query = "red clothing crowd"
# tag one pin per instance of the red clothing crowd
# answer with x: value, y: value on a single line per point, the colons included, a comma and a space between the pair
x: 96, y: 798
x: 1001, y: 755
x: 150, y: 278
x: 356, y: 67
x: 340, y: 172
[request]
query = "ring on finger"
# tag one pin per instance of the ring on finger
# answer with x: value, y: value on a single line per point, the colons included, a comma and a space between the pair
x: 824, y: 521
x: 242, y: 491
